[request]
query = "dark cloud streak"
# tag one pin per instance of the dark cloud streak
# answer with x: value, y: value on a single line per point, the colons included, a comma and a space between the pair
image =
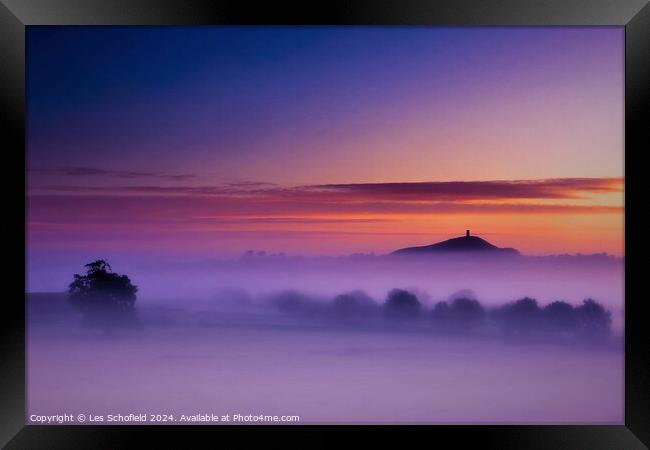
x: 561, y: 188
x: 434, y: 191
x: 122, y: 174
x: 72, y: 208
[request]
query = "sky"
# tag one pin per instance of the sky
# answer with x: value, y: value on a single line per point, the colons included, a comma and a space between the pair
x: 211, y: 141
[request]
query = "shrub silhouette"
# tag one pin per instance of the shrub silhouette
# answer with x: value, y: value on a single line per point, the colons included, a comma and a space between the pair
x: 355, y: 303
x: 105, y: 298
x: 559, y: 316
x: 441, y: 312
x: 291, y: 301
x: 520, y: 317
x: 402, y: 304
x: 593, y: 319
x: 467, y: 311
x: 463, y: 293
x: 463, y: 313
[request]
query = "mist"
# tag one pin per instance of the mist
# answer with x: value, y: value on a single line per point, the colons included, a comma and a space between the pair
x: 494, y: 280
x: 271, y: 334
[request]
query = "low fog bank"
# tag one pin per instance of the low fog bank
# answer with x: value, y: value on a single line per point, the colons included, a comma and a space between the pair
x: 289, y: 353
x: 494, y: 279
x: 350, y: 376
x: 268, y: 290
x: 461, y: 315
x: 331, y: 356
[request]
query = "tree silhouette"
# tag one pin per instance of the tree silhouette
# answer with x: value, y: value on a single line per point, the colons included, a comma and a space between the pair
x: 463, y: 314
x: 559, y: 316
x: 520, y: 317
x: 593, y: 319
x: 353, y: 303
x: 467, y: 312
x: 291, y: 301
x: 441, y: 312
x: 402, y: 304
x: 102, y: 296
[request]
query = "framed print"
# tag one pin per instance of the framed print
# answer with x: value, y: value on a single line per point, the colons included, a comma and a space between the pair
x: 354, y: 218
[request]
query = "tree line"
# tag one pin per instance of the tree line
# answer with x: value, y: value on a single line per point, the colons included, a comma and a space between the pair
x: 521, y: 317
x: 106, y: 299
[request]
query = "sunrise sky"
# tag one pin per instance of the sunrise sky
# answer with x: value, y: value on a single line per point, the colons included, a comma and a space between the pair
x: 324, y: 140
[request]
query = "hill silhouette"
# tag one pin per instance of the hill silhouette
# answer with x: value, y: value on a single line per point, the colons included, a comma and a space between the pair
x: 465, y: 243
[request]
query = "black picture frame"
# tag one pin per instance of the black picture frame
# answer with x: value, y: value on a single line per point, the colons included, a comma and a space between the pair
x: 16, y: 15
